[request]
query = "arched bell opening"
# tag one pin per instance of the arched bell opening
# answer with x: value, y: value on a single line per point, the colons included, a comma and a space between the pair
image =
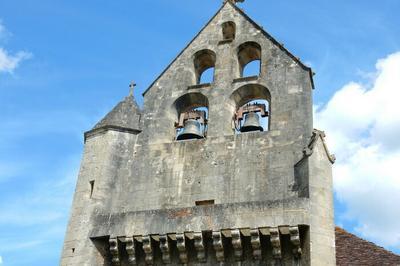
x: 249, y: 56
x: 192, y: 116
x: 228, y: 30
x: 251, y: 109
x: 204, y: 65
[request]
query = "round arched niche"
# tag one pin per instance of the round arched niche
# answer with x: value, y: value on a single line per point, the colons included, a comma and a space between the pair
x: 247, y: 53
x: 248, y: 93
x: 228, y: 30
x: 189, y: 102
x: 203, y: 60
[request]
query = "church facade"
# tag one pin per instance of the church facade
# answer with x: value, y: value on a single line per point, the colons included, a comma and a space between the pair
x: 222, y: 172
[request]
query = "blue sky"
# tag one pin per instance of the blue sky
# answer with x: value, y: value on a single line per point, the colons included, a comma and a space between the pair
x: 64, y: 64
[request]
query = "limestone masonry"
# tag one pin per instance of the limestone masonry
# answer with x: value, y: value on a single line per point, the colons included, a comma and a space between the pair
x: 225, y: 172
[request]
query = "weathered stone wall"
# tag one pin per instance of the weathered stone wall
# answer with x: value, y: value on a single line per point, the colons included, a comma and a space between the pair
x: 225, y: 167
x: 288, y: 83
x: 147, y: 185
x: 101, y: 161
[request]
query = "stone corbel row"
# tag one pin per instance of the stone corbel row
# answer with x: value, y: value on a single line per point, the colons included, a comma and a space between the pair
x: 236, y: 236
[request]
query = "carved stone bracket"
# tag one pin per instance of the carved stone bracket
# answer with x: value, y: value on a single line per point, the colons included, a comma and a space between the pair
x: 160, y: 248
x: 218, y: 246
x: 295, y: 240
x: 256, y: 244
x: 199, y: 246
x: 130, y: 250
x: 165, y: 249
x: 276, y: 243
x: 237, y: 244
x: 114, y: 251
x: 181, y: 245
x: 148, y: 250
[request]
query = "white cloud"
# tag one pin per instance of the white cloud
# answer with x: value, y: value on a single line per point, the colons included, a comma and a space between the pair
x: 1, y: 260
x: 363, y: 128
x: 8, y: 62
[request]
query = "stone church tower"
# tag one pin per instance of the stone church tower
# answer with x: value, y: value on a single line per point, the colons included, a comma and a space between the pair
x: 226, y: 172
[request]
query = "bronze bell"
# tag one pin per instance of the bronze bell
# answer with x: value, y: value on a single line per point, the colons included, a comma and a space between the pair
x: 192, y: 130
x: 251, y: 123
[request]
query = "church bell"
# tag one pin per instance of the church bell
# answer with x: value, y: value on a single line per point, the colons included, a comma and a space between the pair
x: 251, y: 123
x: 192, y: 130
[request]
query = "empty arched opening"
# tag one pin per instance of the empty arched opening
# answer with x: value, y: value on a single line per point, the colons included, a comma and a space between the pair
x: 252, y: 108
x: 249, y: 56
x: 192, y: 116
x: 204, y: 60
x: 228, y: 30
x: 207, y: 76
x: 252, y: 69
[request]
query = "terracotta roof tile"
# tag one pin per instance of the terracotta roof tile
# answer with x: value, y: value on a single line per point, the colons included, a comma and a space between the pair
x: 352, y: 250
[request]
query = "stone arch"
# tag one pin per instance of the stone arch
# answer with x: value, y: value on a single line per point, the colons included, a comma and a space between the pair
x: 190, y: 101
x: 203, y: 60
x: 247, y: 53
x: 191, y: 108
x: 252, y: 94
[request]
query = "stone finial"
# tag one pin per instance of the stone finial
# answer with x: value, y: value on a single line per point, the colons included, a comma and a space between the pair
x: 130, y: 250
x: 218, y: 246
x: 181, y: 245
x: 256, y: 244
x: 165, y: 249
x: 199, y: 246
x: 148, y: 250
x: 114, y: 250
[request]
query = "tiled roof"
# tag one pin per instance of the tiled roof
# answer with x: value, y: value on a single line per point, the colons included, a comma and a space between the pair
x: 352, y: 250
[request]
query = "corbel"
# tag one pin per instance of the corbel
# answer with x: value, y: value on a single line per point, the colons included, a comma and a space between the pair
x: 256, y: 243
x: 218, y: 246
x: 181, y: 245
x: 114, y: 250
x: 237, y: 244
x: 165, y: 249
x: 130, y: 250
x: 295, y: 240
x: 276, y: 243
x: 199, y: 246
x: 148, y: 250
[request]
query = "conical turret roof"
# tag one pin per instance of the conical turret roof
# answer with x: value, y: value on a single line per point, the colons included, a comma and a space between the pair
x: 125, y: 116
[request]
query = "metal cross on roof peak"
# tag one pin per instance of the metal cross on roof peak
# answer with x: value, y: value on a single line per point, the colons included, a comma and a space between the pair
x: 132, y: 86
